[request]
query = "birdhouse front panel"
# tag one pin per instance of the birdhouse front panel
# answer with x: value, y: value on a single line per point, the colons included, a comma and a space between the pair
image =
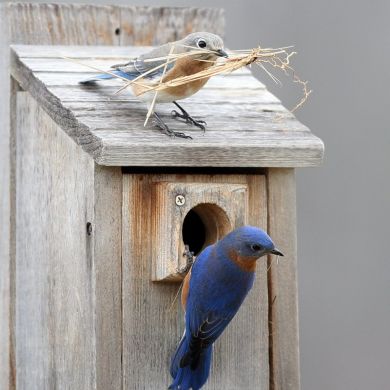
x: 153, y: 322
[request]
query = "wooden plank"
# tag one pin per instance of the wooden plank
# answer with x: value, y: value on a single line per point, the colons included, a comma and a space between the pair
x: 55, y: 301
x: 112, y: 52
x: 5, y: 211
x: 66, y: 24
x: 277, y: 154
x: 107, y: 230
x: 204, y: 96
x: 152, y: 326
x: 127, y: 107
x: 282, y: 282
x: 217, y: 126
x: 121, y: 139
x: 109, y: 25
x: 155, y: 26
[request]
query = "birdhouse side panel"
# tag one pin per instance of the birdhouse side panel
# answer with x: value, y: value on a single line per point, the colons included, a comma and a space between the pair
x: 54, y: 299
x: 282, y: 282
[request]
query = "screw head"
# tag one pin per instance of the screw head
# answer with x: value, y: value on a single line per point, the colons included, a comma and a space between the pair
x: 180, y: 200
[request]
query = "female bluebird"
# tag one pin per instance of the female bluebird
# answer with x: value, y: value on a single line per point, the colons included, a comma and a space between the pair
x: 213, y: 291
x: 210, y: 47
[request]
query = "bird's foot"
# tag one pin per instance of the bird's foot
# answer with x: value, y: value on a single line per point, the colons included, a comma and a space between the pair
x: 189, y: 119
x: 167, y: 131
x: 183, y: 114
x: 189, y: 261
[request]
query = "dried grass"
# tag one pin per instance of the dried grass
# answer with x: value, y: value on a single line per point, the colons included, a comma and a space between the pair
x: 275, y: 58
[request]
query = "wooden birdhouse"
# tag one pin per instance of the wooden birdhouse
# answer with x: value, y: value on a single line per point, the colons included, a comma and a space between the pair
x: 102, y: 207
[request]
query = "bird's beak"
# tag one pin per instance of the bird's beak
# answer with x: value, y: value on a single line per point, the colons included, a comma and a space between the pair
x: 222, y: 53
x: 276, y: 252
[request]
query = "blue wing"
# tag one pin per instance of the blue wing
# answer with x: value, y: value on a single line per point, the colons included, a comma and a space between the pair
x: 217, y: 289
x: 138, y: 66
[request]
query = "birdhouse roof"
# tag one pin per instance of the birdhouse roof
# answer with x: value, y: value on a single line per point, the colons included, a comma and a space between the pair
x: 246, y: 125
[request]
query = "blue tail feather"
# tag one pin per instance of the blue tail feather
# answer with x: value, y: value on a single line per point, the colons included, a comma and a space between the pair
x: 106, y: 76
x: 186, y: 378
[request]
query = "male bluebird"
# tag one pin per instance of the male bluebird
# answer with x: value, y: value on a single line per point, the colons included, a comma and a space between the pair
x: 213, y: 291
x: 210, y: 47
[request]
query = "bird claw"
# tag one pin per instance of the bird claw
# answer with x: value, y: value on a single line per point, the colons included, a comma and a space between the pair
x: 190, y: 258
x: 167, y: 131
x: 188, y: 119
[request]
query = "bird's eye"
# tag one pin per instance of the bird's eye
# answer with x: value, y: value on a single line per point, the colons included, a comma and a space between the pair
x: 202, y: 43
x: 256, y: 247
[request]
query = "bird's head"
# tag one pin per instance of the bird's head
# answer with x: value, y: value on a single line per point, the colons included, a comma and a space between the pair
x: 250, y: 242
x: 205, y: 41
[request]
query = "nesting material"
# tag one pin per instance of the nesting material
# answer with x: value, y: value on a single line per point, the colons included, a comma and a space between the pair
x: 276, y: 58
x: 263, y: 57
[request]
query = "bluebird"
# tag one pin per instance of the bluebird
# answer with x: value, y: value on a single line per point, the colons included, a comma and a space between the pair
x: 213, y: 291
x: 210, y: 47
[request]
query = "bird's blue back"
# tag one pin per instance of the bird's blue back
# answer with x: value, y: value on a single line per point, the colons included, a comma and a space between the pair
x: 217, y: 288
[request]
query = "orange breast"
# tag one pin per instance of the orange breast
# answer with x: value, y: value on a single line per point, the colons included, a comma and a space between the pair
x: 138, y: 88
x: 186, y: 67
x: 246, y: 263
x: 185, y: 290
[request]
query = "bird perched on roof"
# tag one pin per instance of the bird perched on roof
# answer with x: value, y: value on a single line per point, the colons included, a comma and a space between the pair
x: 212, y: 293
x: 205, y: 49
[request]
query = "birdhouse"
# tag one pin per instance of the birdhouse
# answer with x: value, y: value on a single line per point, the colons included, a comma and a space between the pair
x: 103, y: 207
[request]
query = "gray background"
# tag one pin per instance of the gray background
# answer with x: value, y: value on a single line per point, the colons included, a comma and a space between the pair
x: 344, y: 206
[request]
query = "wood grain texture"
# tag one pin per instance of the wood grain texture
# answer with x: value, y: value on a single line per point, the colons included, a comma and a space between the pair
x: 247, y: 126
x: 107, y: 229
x: 221, y: 207
x: 84, y: 24
x: 63, y: 24
x: 5, y: 211
x: 66, y: 24
x: 54, y: 329
x: 155, y: 26
x: 283, y: 288
x: 240, y: 361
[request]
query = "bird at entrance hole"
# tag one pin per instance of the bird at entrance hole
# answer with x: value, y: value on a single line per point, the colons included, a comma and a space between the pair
x: 213, y: 291
x: 150, y: 69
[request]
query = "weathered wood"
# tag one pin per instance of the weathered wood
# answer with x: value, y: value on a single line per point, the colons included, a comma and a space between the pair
x: 62, y: 24
x: 54, y: 329
x: 222, y: 208
x: 109, y: 25
x: 205, y: 155
x: 106, y: 232
x: 5, y: 212
x: 120, y: 108
x: 66, y: 24
x: 258, y: 135
x: 282, y: 283
x: 241, y: 355
x: 154, y: 26
x: 207, y: 96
